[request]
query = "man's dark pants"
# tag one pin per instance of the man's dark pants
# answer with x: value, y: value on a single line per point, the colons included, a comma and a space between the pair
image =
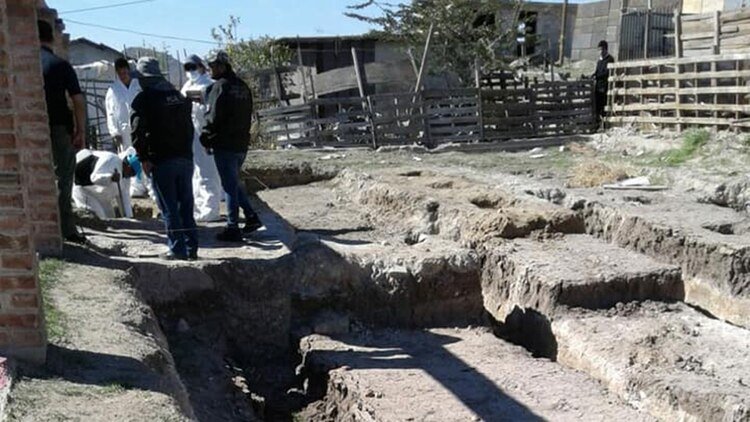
x: 229, y: 164
x: 172, y: 180
x: 600, y: 101
x: 64, y: 160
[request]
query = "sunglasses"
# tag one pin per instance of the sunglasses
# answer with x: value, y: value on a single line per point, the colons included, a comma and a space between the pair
x: 189, y: 67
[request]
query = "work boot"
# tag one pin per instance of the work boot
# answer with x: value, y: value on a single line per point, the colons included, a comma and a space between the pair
x: 251, y: 226
x: 230, y: 234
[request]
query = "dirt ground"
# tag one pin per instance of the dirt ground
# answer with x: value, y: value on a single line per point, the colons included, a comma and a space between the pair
x: 403, y: 284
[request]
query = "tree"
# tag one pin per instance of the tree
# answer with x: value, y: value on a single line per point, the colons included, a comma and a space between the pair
x: 464, y: 30
x: 248, y: 55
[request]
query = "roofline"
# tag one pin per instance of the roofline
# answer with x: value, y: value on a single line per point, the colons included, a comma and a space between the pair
x: 102, y: 46
x: 324, y: 38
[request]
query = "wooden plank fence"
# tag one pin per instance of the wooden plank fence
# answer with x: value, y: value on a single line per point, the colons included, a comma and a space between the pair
x: 503, y: 109
x: 709, y: 90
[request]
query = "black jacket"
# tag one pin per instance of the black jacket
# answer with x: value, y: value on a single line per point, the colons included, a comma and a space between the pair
x: 602, y: 73
x: 162, y: 124
x: 229, y: 115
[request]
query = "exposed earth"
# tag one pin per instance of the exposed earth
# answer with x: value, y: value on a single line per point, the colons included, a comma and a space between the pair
x: 405, y: 284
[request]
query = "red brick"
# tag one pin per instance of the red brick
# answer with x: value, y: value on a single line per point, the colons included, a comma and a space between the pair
x: 10, y: 223
x: 24, y: 300
x: 23, y: 261
x: 6, y: 122
x: 7, y: 140
x: 17, y: 282
x: 26, y: 338
x: 11, y: 200
x: 19, y: 321
x: 14, y: 242
x: 9, y: 162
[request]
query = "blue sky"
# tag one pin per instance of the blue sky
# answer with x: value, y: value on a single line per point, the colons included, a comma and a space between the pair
x: 195, y: 18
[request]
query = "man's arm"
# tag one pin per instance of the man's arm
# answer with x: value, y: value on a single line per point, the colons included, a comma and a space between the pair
x: 214, y: 116
x: 79, y: 111
x: 139, y: 128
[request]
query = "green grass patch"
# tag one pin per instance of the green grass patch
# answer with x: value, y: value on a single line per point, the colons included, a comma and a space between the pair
x: 50, y: 273
x: 692, y: 141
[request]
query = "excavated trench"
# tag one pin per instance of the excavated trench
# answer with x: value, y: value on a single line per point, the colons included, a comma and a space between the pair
x: 358, y: 319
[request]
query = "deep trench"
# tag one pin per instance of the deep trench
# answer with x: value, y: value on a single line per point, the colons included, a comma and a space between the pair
x: 270, y: 379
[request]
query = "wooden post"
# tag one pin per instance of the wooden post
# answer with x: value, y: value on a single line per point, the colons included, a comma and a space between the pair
x: 413, y: 61
x: 423, y: 65
x: 716, y: 50
x: 678, y: 55
x: 647, y: 31
x: 561, y: 47
x: 358, y: 74
x: 477, y: 74
x: 301, y: 72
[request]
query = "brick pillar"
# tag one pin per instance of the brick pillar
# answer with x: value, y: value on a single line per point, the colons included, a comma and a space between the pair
x: 28, y: 205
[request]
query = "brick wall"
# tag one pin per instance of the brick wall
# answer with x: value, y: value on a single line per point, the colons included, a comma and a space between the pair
x: 28, y: 205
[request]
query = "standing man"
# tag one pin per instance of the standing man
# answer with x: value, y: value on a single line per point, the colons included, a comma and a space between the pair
x: 163, y: 139
x: 206, y: 182
x: 67, y: 133
x: 227, y: 134
x: 117, y: 101
x: 601, y: 77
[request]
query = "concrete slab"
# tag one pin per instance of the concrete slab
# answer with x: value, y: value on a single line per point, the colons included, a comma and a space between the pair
x: 571, y: 271
x: 451, y: 375
x: 669, y: 360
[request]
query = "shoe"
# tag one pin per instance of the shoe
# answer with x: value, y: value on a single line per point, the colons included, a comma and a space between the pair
x: 251, y: 226
x: 169, y: 256
x: 76, y: 238
x: 192, y: 256
x: 230, y: 235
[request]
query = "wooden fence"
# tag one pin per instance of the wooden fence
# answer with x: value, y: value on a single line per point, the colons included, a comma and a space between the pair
x: 676, y: 93
x: 503, y: 108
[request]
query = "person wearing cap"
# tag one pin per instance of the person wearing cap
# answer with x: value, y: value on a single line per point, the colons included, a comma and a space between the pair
x: 102, y: 180
x: 206, y: 183
x: 163, y: 139
x: 601, y: 79
x: 67, y: 130
x: 227, y: 134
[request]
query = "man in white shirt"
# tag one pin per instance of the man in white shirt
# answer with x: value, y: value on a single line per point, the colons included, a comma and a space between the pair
x: 206, y: 182
x: 102, y: 180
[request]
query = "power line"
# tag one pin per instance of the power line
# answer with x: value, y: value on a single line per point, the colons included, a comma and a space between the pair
x: 145, y: 34
x: 105, y: 7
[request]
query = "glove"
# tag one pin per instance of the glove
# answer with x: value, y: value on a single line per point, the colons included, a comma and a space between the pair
x: 205, y: 141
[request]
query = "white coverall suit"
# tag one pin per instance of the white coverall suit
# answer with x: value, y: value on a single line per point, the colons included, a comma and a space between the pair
x: 206, y: 183
x: 101, y: 197
x: 117, y: 101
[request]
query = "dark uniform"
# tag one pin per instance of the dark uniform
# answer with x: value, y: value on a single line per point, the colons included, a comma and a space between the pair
x: 162, y: 126
x: 59, y: 79
x: 227, y: 134
x: 601, y: 77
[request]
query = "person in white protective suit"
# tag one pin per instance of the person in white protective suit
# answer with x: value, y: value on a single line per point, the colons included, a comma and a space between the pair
x: 206, y: 182
x: 117, y: 101
x: 102, y: 181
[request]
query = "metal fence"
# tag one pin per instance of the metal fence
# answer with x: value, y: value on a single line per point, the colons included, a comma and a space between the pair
x: 97, y: 134
x: 646, y: 34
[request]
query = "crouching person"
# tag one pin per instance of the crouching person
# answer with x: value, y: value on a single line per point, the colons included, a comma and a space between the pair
x: 102, y: 179
x: 227, y: 134
x: 162, y: 136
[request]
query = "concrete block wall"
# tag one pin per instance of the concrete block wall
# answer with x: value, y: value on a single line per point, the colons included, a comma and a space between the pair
x: 28, y: 204
x: 595, y: 22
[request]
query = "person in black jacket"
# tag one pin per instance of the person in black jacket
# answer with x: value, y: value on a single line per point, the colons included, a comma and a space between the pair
x: 162, y: 132
x: 227, y: 134
x: 601, y: 78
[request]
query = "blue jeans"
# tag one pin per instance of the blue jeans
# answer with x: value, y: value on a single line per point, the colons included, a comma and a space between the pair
x: 174, y: 191
x: 229, y: 164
